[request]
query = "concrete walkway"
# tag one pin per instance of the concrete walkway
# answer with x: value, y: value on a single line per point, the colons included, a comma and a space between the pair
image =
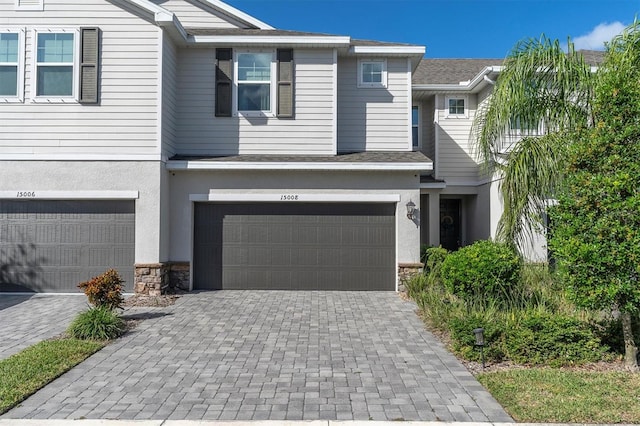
x: 271, y: 355
x: 30, y: 319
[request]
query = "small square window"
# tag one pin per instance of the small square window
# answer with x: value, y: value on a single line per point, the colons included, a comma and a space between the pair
x: 456, y: 106
x: 372, y: 73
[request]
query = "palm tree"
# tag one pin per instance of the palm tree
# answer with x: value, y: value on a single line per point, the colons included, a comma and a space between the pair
x: 544, y: 94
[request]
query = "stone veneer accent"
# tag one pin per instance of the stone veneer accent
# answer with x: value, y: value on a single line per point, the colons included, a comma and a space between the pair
x: 151, y: 278
x: 406, y: 271
x: 154, y: 279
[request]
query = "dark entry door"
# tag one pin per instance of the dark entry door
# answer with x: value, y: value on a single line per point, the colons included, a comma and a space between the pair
x: 450, y: 229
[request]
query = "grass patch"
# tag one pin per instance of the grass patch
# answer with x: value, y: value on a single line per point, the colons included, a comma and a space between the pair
x: 560, y: 396
x: 27, y: 371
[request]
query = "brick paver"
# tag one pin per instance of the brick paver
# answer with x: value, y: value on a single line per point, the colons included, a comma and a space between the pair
x: 29, y: 319
x: 273, y: 355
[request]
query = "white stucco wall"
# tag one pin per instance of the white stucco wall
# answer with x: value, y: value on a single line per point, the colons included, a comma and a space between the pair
x: 185, y: 183
x: 97, y: 177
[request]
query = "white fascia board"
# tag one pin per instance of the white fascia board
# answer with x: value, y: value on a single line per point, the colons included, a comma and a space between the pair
x: 387, y: 50
x: 158, y: 11
x: 237, y: 14
x: 34, y: 194
x: 463, y: 86
x: 173, y: 25
x: 230, y: 40
x: 295, y: 197
x: 241, y: 165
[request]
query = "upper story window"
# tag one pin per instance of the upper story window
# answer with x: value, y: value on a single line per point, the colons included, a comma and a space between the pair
x: 522, y: 126
x: 255, y: 73
x: 254, y: 83
x: 10, y: 65
x: 415, y: 127
x: 55, y: 62
x: 372, y: 73
x: 456, y: 106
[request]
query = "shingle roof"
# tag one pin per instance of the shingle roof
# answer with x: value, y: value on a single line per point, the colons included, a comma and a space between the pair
x: 453, y: 71
x: 450, y: 71
x: 357, y: 157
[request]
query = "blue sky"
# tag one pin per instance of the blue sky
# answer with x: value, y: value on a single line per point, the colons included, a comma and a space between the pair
x: 451, y: 28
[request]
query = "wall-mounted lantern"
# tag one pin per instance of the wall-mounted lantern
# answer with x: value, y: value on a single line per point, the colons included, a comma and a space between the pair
x: 411, y: 210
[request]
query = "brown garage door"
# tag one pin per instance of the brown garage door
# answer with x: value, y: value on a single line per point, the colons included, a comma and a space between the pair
x: 294, y: 246
x: 51, y: 246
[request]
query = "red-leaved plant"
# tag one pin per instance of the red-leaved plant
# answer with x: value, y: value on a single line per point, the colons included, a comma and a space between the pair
x: 104, y: 290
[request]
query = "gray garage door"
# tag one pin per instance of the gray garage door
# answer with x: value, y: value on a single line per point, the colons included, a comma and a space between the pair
x: 51, y: 246
x: 305, y: 246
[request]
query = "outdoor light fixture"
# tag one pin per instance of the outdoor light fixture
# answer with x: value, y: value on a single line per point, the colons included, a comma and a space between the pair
x: 479, y: 333
x: 411, y: 210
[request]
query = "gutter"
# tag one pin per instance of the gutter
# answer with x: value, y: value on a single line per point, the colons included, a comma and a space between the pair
x: 463, y: 86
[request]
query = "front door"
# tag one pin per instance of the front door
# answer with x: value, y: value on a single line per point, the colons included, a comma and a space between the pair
x: 450, y: 229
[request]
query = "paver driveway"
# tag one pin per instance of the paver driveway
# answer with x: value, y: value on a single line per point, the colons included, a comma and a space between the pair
x: 29, y: 319
x: 241, y: 355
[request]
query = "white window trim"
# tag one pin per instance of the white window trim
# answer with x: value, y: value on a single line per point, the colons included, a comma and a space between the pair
x: 383, y: 84
x: 465, y: 98
x: 21, y: 52
x: 38, y: 6
x: 76, y: 67
x: 273, y: 84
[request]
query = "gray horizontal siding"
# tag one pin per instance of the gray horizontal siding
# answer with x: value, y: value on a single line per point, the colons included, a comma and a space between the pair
x: 455, y: 146
x: 126, y: 120
x: 193, y: 14
x: 373, y: 119
x: 200, y: 132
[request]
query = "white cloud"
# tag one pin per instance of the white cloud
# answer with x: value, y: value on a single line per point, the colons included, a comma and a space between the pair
x: 598, y: 36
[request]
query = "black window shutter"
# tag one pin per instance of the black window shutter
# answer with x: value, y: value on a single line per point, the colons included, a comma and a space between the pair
x: 285, y: 95
x: 89, y: 65
x: 224, y: 78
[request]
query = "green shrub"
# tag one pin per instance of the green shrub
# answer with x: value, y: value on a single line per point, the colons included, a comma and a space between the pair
x: 104, y: 290
x: 484, y: 269
x: 552, y: 339
x: 99, y: 323
x: 463, y: 338
x: 415, y: 285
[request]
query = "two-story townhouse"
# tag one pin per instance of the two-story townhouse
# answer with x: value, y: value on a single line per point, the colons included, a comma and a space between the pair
x: 460, y: 202
x: 185, y: 141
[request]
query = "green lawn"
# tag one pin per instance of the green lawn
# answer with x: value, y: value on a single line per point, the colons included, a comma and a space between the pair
x: 24, y: 373
x: 560, y: 396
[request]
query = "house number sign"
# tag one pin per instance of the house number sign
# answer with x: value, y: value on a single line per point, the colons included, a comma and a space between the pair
x: 289, y: 197
x: 26, y: 194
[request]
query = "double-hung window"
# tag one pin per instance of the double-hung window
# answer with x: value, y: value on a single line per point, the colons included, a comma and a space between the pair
x: 55, y: 64
x: 255, y: 82
x: 11, y: 60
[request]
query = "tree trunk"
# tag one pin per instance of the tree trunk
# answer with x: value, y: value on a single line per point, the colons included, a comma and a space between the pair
x: 630, y: 348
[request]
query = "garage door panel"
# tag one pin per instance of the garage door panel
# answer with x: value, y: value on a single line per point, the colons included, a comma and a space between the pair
x: 54, y: 245
x: 310, y: 246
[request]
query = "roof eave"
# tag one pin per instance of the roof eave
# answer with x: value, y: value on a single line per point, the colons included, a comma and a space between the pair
x: 232, y: 40
x: 176, y: 165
